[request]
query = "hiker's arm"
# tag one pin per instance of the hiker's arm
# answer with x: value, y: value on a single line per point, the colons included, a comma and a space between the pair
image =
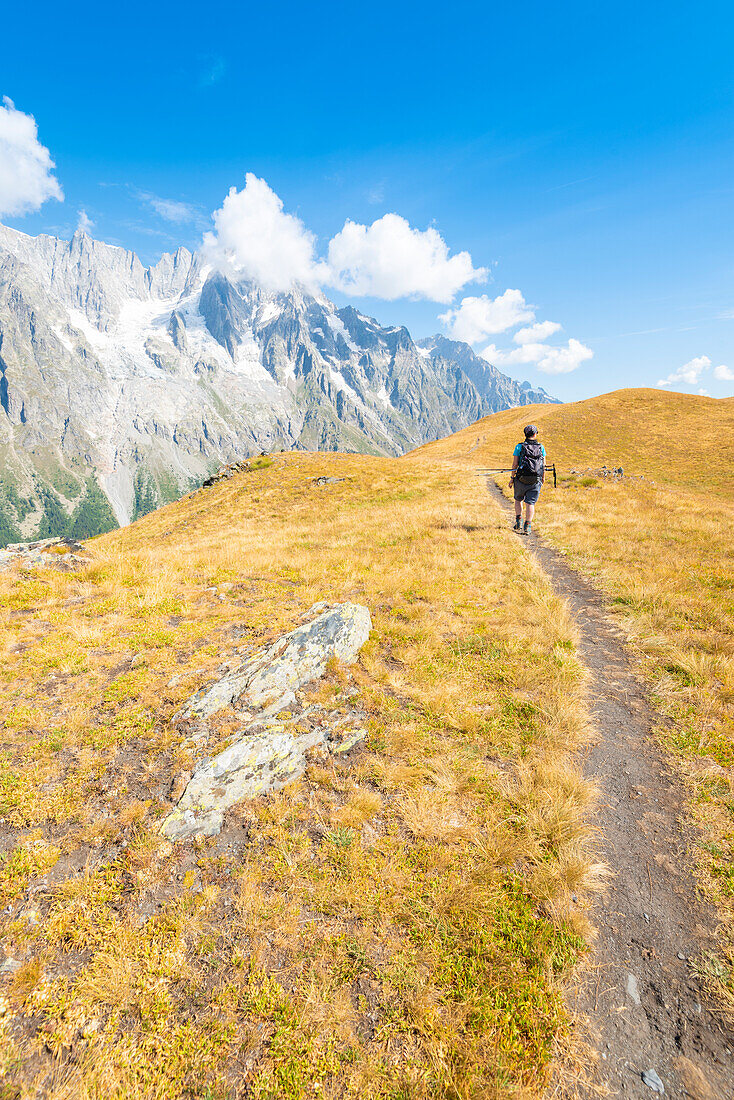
x: 515, y: 461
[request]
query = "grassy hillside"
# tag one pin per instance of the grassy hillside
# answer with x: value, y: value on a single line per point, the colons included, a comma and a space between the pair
x: 673, y: 438
x: 395, y: 925
x: 663, y: 549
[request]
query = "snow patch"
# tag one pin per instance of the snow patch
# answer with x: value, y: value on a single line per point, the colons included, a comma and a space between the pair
x: 63, y: 338
x: 98, y: 340
x: 268, y: 313
x: 338, y: 327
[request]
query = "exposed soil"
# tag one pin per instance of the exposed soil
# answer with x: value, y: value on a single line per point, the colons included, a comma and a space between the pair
x: 646, y: 1008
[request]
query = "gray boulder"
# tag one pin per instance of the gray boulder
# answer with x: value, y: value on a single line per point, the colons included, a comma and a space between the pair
x: 270, y: 676
x: 268, y: 753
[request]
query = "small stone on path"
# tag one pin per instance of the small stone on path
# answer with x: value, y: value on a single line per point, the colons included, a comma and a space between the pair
x: 633, y: 991
x: 651, y: 1079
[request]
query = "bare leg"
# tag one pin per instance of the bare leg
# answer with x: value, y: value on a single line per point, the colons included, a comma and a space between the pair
x: 518, y: 507
x: 529, y: 512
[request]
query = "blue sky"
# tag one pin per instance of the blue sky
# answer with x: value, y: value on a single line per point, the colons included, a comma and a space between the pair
x: 581, y: 153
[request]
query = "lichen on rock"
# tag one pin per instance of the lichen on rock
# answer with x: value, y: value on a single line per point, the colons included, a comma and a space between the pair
x: 269, y: 752
x: 271, y: 676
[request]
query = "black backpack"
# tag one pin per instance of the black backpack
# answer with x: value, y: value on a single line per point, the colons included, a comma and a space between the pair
x: 532, y: 463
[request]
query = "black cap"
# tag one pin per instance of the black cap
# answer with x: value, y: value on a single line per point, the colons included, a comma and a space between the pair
x: 530, y: 429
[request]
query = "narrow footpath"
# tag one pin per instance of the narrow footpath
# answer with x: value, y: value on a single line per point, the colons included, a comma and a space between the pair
x: 653, y: 1025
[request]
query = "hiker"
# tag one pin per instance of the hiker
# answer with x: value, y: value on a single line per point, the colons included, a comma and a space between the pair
x: 526, y: 479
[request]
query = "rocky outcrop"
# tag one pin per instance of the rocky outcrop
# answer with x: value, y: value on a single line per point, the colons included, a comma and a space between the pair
x: 270, y: 751
x: 224, y: 473
x: 61, y: 553
x: 265, y: 757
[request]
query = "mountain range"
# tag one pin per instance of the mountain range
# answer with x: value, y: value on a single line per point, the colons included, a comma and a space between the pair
x: 121, y: 386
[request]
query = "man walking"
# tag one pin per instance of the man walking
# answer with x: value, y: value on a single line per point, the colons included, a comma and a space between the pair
x: 528, y: 472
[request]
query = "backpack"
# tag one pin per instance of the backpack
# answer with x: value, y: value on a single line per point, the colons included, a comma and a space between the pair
x: 532, y: 463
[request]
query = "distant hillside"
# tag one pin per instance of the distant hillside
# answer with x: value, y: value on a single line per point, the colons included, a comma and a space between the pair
x: 674, y: 438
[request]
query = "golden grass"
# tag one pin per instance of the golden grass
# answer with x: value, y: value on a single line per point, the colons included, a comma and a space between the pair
x: 660, y: 543
x: 665, y: 437
x: 396, y: 925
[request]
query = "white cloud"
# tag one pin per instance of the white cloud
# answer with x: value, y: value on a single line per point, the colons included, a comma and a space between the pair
x: 527, y: 353
x: 563, y: 360
x: 534, y: 334
x: 548, y: 359
x: 85, y: 223
x: 477, y: 318
x: 26, y: 168
x: 255, y: 237
x: 724, y: 374
x: 689, y: 373
x: 170, y: 209
x: 389, y: 259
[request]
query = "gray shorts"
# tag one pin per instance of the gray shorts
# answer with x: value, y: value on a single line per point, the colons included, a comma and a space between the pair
x: 528, y: 491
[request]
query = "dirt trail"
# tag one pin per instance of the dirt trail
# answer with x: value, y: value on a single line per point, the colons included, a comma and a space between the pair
x: 646, y: 1008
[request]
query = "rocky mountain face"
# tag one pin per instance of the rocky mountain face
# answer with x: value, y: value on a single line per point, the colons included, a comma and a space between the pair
x: 123, y: 386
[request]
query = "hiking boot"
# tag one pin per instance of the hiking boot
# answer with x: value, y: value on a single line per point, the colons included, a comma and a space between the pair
x: 517, y: 524
x: 527, y: 528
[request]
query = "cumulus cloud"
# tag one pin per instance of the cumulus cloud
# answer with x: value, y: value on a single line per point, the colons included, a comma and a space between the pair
x: 549, y: 359
x: 27, y: 177
x: 389, y: 259
x: 475, y: 319
x: 527, y: 353
x: 256, y: 238
x: 689, y: 373
x: 564, y: 359
x: 535, y: 334
x: 85, y: 223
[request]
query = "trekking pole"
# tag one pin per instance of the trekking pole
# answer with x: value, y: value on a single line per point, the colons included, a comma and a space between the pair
x: 508, y: 470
